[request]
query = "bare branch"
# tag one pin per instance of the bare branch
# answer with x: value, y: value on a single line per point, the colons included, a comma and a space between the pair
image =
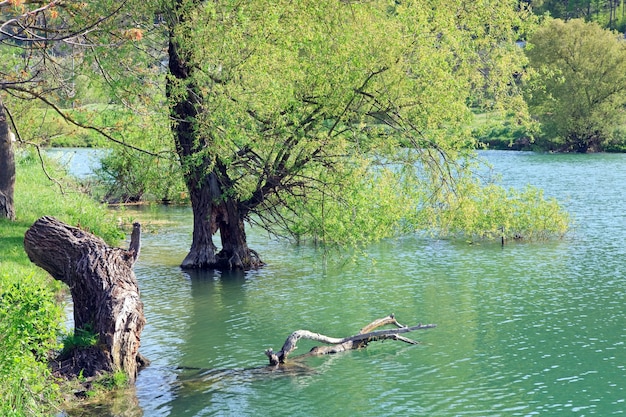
x: 37, y: 147
x: 347, y: 343
x: 71, y: 120
x: 34, y: 37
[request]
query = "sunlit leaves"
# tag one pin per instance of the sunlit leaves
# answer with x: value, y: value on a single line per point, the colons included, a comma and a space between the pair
x: 492, y: 212
x: 29, y: 317
x: 346, y: 121
x: 580, y: 79
x: 361, y: 203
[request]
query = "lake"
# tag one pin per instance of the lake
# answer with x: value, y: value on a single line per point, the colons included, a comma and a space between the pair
x: 524, y: 329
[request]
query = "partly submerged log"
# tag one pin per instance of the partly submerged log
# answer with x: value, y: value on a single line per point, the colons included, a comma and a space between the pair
x: 104, y: 291
x: 335, y: 345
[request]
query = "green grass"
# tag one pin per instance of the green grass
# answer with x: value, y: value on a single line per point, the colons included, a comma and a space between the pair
x: 30, y: 314
x: 81, y: 338
x: 495, y: 131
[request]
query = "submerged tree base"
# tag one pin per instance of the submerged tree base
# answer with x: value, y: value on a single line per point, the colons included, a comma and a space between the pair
x: 245, y: 260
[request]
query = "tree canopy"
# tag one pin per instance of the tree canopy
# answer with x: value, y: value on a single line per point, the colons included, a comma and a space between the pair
x: 577, y: 84
x: 337, y: 121
x: 89, y: 70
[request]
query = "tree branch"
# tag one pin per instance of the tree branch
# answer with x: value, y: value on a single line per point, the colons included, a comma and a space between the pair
x: 71, y: 120
x: 366, y: 335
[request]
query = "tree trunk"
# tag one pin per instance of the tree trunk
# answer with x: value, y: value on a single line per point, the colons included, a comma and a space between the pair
x: 202, y: 252
x: 184, y: 107
x: 7, y: 168
x: 205, y: 176
x: 361, y: 340
x: 235, y: 253
x: 104, y: 291
x: 208, y: 219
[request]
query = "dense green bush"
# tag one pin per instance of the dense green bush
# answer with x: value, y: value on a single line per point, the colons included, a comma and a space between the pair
x: 128, y: 176
x: 574, y: 85
x: 498, y: 213
x: 496, y: 132
x: 29, y: 324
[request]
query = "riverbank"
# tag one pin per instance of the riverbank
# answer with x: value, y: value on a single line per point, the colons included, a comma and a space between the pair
x: 31, y: 315
x: 495, y: 132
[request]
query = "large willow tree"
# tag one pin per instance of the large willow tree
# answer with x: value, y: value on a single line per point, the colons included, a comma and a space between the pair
x: 340, y: 121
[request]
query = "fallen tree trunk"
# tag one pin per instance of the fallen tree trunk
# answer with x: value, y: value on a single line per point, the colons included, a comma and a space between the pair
x: 365, y: 336
x: 104, y: 291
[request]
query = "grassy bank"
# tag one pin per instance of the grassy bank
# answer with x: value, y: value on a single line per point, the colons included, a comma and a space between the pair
x: 31, y: 316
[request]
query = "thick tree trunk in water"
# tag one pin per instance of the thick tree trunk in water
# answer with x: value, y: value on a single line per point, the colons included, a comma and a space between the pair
x: 184, y: 111
x: 225, y: 217
x: 360, y: 340
x: 202, y: 252
x: 7, y: 168
x: 235, y: 253
x: 104, y: 291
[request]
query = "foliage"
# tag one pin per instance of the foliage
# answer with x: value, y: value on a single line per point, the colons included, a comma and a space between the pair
x: 577, y: 83
x: 496, y: 213
x: 42, y: 126
x: 108, y: 382
x: 127, y: 175
x: 387, y: 201
x: 79, y: 338
x: 570, y: 9
x: 56, y: 80
x: 373, y: 202
x: 46, y: 44
x: 494, y: 131
x: 334, y: 133
x: 29, y: 320
x: 604, y: 12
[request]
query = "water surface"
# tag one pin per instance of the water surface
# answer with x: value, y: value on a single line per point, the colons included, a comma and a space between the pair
x: 525, y: 329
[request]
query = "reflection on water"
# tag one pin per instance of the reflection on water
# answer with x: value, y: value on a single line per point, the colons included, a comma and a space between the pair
x: 524, y: 329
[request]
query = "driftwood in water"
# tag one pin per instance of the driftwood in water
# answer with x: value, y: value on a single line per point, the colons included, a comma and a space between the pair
x: 104, y: 291
x: 365, y: 335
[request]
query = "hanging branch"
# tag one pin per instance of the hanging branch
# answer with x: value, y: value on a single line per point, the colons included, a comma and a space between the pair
x: 71, y: 120
x: 366, y: 334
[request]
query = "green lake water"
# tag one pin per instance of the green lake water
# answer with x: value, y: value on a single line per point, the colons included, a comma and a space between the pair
x: 525, y: 329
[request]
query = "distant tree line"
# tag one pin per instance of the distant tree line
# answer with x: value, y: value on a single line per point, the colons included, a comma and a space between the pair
x: 608, y: 13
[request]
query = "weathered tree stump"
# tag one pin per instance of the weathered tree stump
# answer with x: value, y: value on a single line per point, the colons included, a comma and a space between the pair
x: 336, y: 345
x: 104, y: 291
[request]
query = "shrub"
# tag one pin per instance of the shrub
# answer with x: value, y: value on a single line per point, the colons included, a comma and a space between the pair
x: 29, y: 321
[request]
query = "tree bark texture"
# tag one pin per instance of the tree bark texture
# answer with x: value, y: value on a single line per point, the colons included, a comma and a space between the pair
x: 7, y: 168
x: 336, y: 345
x: 235, y: 253
x: 104, y: 290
